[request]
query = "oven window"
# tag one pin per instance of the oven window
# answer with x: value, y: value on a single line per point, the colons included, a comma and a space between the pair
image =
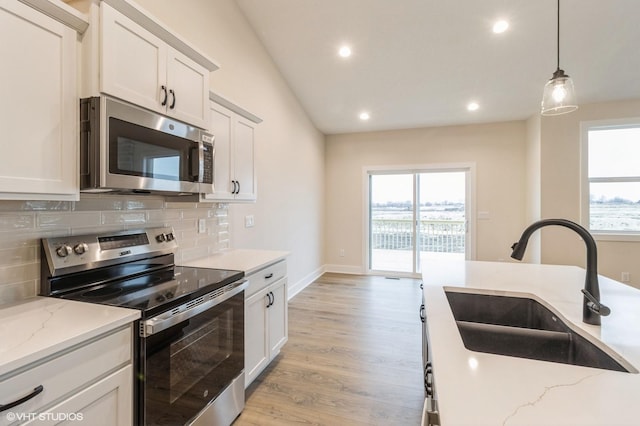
x: 195, y: 355
x: 139, y: 151
x: 189, y: 364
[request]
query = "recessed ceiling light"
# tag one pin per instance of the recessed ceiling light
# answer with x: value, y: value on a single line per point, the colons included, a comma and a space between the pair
x: 344, y: 51
x: 500, y: 26
x: 473, y: 106
x: 364, y: 116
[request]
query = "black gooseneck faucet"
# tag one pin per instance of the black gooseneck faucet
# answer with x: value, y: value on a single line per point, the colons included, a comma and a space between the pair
x: 592, y: 309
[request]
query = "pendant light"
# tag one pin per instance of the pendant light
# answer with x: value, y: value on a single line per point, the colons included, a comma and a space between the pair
x: 559, y: 96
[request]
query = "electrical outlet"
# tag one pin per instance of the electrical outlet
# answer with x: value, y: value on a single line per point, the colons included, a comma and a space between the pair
x: 626, y: 277
x: 249, y: 221
x: 341, y: 252
x: 202, y: 226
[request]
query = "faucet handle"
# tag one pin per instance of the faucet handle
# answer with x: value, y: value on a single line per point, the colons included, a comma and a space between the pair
x: 595, y: 305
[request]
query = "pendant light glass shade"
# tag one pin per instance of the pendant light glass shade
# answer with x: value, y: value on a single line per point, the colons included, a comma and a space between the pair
x: 559, y: 96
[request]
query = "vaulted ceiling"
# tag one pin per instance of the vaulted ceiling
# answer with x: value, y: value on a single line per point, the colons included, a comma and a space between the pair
x: 418, y: 63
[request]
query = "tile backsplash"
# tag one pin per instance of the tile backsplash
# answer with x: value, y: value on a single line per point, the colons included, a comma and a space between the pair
x: 24, y: 223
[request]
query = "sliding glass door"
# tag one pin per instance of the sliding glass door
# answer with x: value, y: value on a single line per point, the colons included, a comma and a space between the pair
x: 391, y: 216
x: 414, y: 215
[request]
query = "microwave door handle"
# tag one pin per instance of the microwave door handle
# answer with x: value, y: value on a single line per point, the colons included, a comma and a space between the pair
x: 197, y: 162
x: 200, y: 162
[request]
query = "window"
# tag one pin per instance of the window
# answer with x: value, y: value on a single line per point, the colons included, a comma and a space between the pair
x: 612, y: 178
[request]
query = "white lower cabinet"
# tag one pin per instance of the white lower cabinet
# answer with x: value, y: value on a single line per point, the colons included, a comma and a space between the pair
x: 105, y: 403
x: 256, y: 351
x: 266, y: 319
x: 278, y: 329
x: 93, y: 381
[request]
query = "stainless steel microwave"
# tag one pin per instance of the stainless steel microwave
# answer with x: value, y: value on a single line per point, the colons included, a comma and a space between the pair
x: 127, y: 149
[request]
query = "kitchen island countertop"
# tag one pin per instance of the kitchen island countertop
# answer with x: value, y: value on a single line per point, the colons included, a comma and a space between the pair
x: 476, y: 388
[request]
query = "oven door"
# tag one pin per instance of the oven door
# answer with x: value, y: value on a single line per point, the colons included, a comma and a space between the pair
x: 184, y: 367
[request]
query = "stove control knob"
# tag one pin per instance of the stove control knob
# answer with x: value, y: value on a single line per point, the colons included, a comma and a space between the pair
x: 81, y: 248
x: 170, y: 236
x: 161, y: 238
x: 63, y: 251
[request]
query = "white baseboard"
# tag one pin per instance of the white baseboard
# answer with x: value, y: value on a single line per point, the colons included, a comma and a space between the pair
x: 344, y: 269
x: 304, y: 282
x: 311, y: 277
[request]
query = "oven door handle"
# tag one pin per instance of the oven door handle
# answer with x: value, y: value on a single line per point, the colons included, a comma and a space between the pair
x: 181, y: 313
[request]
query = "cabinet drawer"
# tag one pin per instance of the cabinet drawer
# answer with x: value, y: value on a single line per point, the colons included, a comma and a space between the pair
x: 266, y: 276
x: 66, y: 373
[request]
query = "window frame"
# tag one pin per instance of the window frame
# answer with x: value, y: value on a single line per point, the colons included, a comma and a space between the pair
x: 585, y: 216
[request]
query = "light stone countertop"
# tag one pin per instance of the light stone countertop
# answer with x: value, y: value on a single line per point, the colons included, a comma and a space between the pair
x: 246, y: 260
x: 475, y: 388
x: 39, y: 327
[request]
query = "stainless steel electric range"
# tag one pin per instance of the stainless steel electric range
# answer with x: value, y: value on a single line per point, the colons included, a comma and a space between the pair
x: 189, y: 347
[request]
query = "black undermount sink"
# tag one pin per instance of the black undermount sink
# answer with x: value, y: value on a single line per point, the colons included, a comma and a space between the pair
x: 522, y: 327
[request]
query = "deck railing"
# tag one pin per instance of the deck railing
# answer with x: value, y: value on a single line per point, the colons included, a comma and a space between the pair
x: 443, y: 236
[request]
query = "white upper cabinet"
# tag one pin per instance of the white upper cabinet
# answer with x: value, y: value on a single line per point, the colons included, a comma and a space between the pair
x: 39, y: 108
x: 244, y: 159
x: 222, y: 123
x: 135, y: 73
x: 188, y: 85
x: 234, y: 171
x: 142, y: 68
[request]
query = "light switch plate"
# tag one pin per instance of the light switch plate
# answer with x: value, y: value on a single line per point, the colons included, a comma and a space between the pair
x: 202, y: 226
x: 249, y: 221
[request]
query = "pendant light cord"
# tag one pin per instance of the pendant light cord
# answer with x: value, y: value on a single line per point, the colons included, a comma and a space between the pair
x: 558, y: 36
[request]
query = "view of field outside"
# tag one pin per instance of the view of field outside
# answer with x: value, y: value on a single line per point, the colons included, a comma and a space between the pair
x: 615, y: 215
x: 440, y: 228
x: 614, y: 179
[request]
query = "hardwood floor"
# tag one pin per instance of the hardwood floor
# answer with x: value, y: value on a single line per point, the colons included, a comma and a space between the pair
x: 353, y: 357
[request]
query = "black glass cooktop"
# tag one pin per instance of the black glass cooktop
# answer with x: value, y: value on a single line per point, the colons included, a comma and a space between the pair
x: 157, y: 291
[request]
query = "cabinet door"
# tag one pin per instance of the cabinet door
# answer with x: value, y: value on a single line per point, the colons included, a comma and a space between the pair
x: 39, y: 108
x: 243, y: 159
x: 256, y: 347
x: 133, y: 62
x: 221, y: 126
x: 105, y: 403
x: 278, y: 328
x: 188, y: 84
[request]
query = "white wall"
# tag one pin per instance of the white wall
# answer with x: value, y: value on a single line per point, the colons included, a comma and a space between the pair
x: 560, y: 191
x: 289, y: 150
x: 498, y: 151
x: 533, y: 254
